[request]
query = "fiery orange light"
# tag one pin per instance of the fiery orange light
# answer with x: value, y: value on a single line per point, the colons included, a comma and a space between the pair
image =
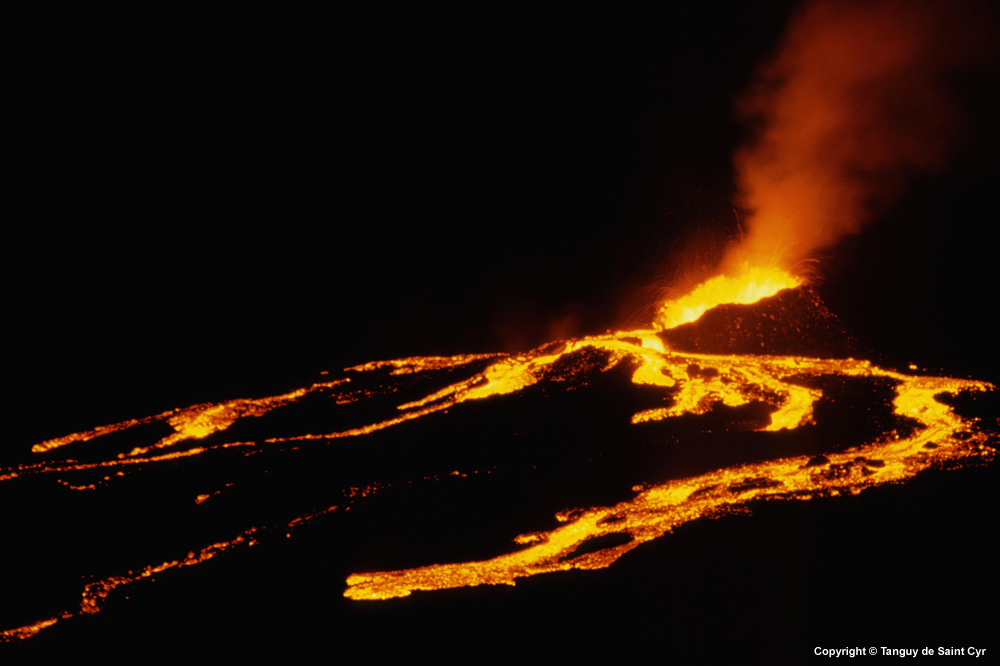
x: 751, y: 284
x: 856, y: 98
x: 658, y: 510
x: 721, y: 380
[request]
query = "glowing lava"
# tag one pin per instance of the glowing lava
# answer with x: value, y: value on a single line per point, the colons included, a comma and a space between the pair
x: 784, y: 389
x: 655, y: 511
x: 748, y: 286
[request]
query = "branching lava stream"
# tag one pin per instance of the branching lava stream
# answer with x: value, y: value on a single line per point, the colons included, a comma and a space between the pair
x: 689, y: 384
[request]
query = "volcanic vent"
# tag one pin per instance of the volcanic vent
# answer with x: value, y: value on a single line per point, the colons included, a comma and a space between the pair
x: 607, y: 442
x: 792, y: 322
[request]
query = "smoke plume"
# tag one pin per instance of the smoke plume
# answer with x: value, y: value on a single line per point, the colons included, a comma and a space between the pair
x: 855, y: 101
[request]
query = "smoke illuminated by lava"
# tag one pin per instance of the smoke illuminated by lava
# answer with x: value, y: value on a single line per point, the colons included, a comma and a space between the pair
x: 856, y: 99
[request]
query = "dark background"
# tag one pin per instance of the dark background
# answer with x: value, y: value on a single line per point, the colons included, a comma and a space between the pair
x: 217, y: 206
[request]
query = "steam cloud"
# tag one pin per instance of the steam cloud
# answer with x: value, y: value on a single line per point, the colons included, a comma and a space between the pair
x: 856, y: 99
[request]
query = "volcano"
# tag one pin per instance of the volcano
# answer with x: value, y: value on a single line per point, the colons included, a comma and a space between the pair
x: 468, y: 231
x: 794, y: 322
x: 584, y: 458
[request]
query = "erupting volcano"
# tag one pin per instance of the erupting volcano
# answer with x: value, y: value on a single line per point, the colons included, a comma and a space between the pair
x: 788, y: 426
x: 568, y: 410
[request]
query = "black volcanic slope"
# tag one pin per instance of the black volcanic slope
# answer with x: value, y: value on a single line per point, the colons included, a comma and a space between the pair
x: 793, y: 322
x: 459, y: 484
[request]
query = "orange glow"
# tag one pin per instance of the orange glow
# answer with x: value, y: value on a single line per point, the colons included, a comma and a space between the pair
x: 834, y: 145
x: 195, y: 422
x: 21, y: 633
x: 749, y: 286
x: 95, y: 593
x: 656, y: 511
x: 690, y: 384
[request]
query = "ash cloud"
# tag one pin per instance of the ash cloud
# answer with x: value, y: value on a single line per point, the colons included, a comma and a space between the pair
x: 856, y: 100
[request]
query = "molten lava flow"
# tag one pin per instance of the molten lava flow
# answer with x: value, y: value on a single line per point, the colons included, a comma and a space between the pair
x: 783, y: 389
x: 195, y: 422
x: 749, y: 286
x: 656, y: 511
x: 96, y: 592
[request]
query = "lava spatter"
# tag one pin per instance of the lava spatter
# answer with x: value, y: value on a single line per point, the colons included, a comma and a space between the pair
x: 748, y: 284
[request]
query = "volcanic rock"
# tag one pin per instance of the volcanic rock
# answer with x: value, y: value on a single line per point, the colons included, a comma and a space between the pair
x: 818, y: 461
x: 792, y: 322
